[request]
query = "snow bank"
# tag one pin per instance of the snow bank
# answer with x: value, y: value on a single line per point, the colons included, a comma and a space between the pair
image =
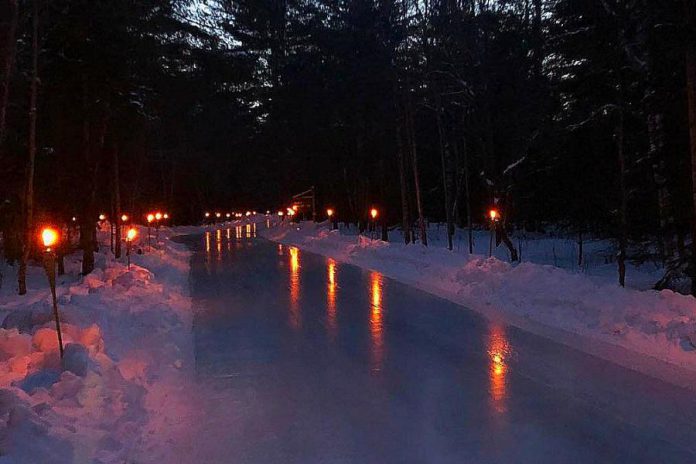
x: 661, y: 325
x: 127, y: 344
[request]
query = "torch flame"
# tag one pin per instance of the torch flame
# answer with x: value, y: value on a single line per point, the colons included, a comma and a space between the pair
x: 49, y: 236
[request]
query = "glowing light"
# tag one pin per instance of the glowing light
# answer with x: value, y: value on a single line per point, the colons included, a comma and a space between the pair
x: 332, y: 325
x: 165, y: 216
x: 295, y: 315
x: 494, y: 214
x: 124, y: 218
x: 102, y: 217
x: 295, y: 208
x: 376, y: 324
x: 217, y: 215
x: 291, y: 212
x: 374, y: 213
x: 150, y: 217
x: 228, y: 215
x: 248, y: 213
x: 158, y: 216
x: 218, y: 243
x: 280, y: 213
x: 329, y: 212
x: 498, y: 352
x: 131, y: 234
x: 254, y: 213
x: 49, y: 237
x: 207, y: 215
x: 268, y: 212
x: 74, y: 219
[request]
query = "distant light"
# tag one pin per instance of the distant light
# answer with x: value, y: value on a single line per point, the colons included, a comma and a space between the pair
x: 228, y: 215
x: 248, y: 213
x: 280, y: 213
x: 131, y: 234
x: 254, y: 213
x: 74, y: 219
x: 102, y: 217
x: 268, y: 212
x: 295, y: 207
x: 207, y: 214
x: 158, y: 215
x: 49, y: 237
x: 329, y: 212
x: 124, y: 218
x: 494, y: 214
x: 374, y: 213
x: 165, y: 216
x: 217, y: 215
x: 150, y: 217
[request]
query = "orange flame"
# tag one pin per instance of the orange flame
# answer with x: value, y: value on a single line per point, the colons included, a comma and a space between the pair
x: 49, y: 237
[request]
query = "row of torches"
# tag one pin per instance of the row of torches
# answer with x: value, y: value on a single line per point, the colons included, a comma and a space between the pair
x: 50, y: 236
x: 291, y: 211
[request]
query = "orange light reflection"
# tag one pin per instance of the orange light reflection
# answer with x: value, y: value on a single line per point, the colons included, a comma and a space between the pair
x: 218, y: 243
x: 376, y: 325
x: 295, y: 315
x: 331, y: 323
x: 498, y: 352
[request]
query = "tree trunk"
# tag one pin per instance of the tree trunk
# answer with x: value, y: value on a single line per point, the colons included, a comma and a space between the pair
x: 87, y: 220
x: 405, y: 219
x: 623, y: 239
x: 31, y: 143
x: 468, y: 198
x: 7, y: 53
x: 416, y: 176
x: 507, y: 242
x: 691, y: 92
x: 116, y: 193
x: 444, y: 161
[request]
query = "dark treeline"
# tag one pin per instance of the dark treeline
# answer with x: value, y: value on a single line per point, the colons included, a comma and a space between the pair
x: 570, y: 114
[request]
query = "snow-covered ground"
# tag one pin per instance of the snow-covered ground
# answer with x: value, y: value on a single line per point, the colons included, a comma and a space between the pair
x: 127, y: 379
x: 583, y: 307
x: 127, y: 358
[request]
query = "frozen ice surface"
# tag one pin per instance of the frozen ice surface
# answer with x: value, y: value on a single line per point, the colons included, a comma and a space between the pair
x: 302, y: 359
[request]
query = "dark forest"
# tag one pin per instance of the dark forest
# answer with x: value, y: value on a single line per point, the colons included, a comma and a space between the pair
x: 567, y: 115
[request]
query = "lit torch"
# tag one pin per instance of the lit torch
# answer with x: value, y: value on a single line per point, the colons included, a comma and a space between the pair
x: 49, y: 239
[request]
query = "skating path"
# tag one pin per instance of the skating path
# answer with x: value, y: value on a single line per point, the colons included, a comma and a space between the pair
x: 305, y: 360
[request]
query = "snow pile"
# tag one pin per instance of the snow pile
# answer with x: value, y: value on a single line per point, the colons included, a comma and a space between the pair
x: 661, y: 324
x: 127, y: 343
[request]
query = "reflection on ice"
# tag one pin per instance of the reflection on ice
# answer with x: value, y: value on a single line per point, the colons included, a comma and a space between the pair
x: 498, y: 352
x: 295, y: 315
x: 376, y: 326
x: 331, y: 323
